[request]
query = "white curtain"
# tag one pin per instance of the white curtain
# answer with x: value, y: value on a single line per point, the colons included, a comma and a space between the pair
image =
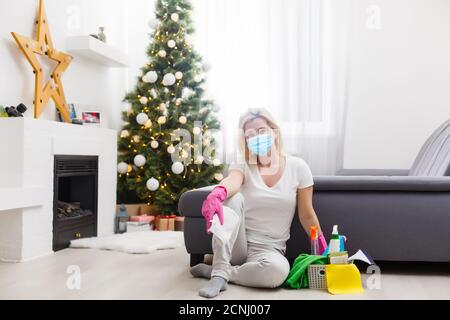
x: 289, y: 56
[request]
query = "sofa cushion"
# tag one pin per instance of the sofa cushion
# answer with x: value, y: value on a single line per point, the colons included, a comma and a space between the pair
x: 434, y: 156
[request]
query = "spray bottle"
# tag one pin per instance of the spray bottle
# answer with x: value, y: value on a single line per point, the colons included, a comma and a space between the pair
x: 335, y: 243
x: 314, y: 236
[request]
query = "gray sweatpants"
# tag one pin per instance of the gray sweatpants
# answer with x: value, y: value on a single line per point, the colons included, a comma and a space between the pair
x: 246, y: 263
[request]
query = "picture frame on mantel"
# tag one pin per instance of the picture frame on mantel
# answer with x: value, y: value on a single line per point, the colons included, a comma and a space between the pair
x: 91, y: 117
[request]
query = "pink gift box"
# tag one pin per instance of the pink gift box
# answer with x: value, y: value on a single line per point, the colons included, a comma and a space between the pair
x: 143, y: 218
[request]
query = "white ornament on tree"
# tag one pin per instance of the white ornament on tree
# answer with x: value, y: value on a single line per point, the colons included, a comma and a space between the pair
x: 171, y: 149
x: 143, y: 100
x: 174, y: 16
x: 179, y: 75
x: 198, y: 78
x: 154, y: 144
x: 171, y: 43
x: 153, y: 23
x: 177, y: 167
x: 218, y: 176
x: 196, y: 130
x: 162, y: 53
x: 216, y: 162
x: 182, y: 119
x: 203, y: 110
x: 122, y: 168
x: 124, y: 134
x: 141, y: 118
x: 150, y: 77
x: 162, y: 119
x: 153, y: 93
x: 139, y: 160
x: 152, y: 184
x: 206, y: 67
x: 169, y: 79
x: 186, y: 93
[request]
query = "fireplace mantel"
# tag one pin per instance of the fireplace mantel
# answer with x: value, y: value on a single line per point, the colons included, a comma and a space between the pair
x: 26, y: 180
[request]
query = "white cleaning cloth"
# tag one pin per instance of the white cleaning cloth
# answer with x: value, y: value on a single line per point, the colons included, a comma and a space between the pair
x: 225, y: 231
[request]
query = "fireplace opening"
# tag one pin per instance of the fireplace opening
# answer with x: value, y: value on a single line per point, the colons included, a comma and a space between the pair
x: 75, y: 199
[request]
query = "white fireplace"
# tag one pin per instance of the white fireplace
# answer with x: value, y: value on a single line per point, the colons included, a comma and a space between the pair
x: 27, y: 155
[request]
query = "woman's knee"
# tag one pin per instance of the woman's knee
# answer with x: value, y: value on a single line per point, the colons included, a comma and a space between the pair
x: 275, y: 271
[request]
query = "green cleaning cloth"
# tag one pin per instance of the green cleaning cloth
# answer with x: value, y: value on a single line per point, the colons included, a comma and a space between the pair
x: 298, y: 276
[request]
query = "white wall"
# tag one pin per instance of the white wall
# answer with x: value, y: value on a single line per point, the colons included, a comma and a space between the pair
x: 399, y: 82
x: 85, y: 82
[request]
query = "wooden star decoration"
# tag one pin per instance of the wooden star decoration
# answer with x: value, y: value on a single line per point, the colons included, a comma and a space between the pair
x: 44, y: 46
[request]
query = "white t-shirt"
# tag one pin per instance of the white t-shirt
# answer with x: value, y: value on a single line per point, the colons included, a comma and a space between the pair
x: 269, y: 210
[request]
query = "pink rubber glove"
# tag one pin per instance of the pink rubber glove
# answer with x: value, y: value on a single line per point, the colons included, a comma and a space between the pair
x: 322, y: 243
x: 213, y: 205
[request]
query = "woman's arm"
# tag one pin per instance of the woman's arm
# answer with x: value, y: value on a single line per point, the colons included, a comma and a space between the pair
x: 233, y: 182
x: 306, y: 213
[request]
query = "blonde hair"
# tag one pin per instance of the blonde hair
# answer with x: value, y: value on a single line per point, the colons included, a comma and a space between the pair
x: 250, y: 115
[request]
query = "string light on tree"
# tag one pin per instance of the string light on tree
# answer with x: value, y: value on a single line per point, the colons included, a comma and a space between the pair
x: 184, y: 154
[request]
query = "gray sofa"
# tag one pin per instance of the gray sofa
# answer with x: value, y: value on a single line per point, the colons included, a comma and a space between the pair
x: 395, y: 215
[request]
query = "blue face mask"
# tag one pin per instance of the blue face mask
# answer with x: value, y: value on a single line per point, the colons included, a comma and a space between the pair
x: 260, y: 144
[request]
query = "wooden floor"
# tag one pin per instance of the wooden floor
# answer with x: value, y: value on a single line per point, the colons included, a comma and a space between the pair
x: 164, y: 275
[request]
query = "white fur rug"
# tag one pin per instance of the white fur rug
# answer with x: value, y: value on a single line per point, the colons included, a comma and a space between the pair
x: 133, y: 242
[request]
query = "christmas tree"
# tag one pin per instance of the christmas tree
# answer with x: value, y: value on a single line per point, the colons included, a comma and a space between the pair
x: 157, y: 159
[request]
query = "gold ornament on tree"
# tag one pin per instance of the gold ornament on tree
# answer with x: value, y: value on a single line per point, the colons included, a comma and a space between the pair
x: 53, y: 89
